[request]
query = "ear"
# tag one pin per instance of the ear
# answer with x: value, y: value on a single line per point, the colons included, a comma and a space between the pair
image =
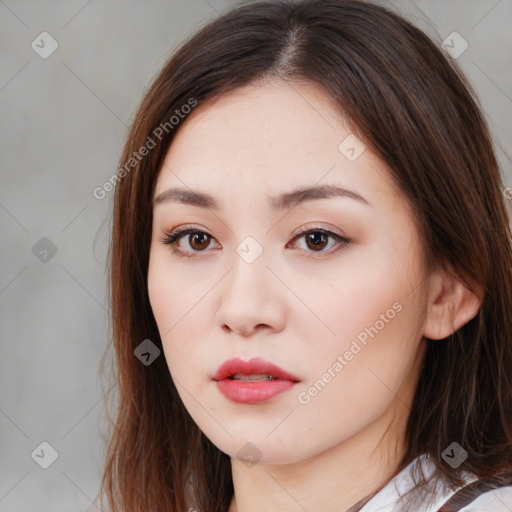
x: 451, y: 304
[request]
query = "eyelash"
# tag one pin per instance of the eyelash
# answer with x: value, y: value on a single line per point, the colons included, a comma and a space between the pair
x: 173, y: 237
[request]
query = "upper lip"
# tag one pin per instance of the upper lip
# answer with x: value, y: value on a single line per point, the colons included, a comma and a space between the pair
x: 256, y: 365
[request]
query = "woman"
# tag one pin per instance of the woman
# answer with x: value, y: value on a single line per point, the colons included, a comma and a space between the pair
x: 310, y: 275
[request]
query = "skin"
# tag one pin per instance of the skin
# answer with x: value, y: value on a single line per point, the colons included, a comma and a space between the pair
x: 298, y: 305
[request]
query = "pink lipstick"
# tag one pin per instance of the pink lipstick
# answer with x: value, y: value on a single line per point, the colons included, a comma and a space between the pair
x: 252, y: 382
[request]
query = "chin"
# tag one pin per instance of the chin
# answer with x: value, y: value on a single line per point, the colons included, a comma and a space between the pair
x: 258, y: 449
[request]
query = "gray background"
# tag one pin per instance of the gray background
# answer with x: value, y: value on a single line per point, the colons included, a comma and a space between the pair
x: 63, y: 123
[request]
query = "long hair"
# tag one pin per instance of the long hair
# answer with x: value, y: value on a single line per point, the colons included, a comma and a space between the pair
x: 409, y: 103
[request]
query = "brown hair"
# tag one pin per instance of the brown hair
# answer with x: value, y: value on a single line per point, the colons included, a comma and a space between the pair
x: 412, y: 106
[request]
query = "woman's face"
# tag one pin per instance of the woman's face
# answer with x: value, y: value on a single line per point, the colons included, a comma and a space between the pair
x: 326, y: 286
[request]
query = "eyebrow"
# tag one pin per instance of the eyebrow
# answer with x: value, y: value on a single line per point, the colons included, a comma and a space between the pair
x: 280, y: 202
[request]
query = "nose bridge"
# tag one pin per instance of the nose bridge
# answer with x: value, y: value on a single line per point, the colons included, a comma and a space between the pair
x: 249, y: 270
x: 248, y: 297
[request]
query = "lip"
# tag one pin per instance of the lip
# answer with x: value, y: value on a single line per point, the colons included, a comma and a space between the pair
x: 252, y: 392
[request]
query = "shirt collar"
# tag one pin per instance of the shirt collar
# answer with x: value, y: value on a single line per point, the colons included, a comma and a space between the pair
x: 437, y: 491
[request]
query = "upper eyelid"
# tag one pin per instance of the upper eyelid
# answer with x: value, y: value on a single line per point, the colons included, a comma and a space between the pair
x: 302, y: 230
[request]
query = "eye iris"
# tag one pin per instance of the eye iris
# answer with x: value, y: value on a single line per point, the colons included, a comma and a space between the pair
x: 316, y: 238
x: 193, y: 238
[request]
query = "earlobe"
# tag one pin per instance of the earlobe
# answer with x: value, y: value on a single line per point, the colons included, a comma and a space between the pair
x: 451, y: 304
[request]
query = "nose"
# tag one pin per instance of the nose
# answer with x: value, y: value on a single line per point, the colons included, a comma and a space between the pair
x: 252, y: 299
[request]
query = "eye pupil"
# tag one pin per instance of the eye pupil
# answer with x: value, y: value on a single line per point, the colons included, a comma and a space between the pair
x: 316, y: 238
x: 198, y: 236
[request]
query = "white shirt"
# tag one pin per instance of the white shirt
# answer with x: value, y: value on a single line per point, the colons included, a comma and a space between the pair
x: 387, y: 499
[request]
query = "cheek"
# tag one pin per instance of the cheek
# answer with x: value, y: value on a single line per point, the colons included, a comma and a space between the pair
x: 359, y: 292
x: 352, y: 383
x: 371, y: 319
x: 177, y: 307
x: 172, y: 294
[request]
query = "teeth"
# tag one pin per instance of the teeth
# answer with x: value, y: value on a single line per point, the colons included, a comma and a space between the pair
x: 260, y: 377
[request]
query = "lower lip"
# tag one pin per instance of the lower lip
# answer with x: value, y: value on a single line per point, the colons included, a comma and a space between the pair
x: 245, y: 392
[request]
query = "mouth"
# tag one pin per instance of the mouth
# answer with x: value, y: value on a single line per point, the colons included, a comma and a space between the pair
x: 262, y: 377
x: 252, y: 382
x: 256, y: 370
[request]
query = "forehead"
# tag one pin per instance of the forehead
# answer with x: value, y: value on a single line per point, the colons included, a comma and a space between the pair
x: 270, y: 137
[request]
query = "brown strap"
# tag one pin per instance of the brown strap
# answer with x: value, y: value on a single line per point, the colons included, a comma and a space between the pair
x: 472, y: 491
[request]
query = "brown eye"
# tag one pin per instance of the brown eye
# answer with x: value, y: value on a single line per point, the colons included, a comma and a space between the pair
x: 316, y: 240
x: 199, y: 241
